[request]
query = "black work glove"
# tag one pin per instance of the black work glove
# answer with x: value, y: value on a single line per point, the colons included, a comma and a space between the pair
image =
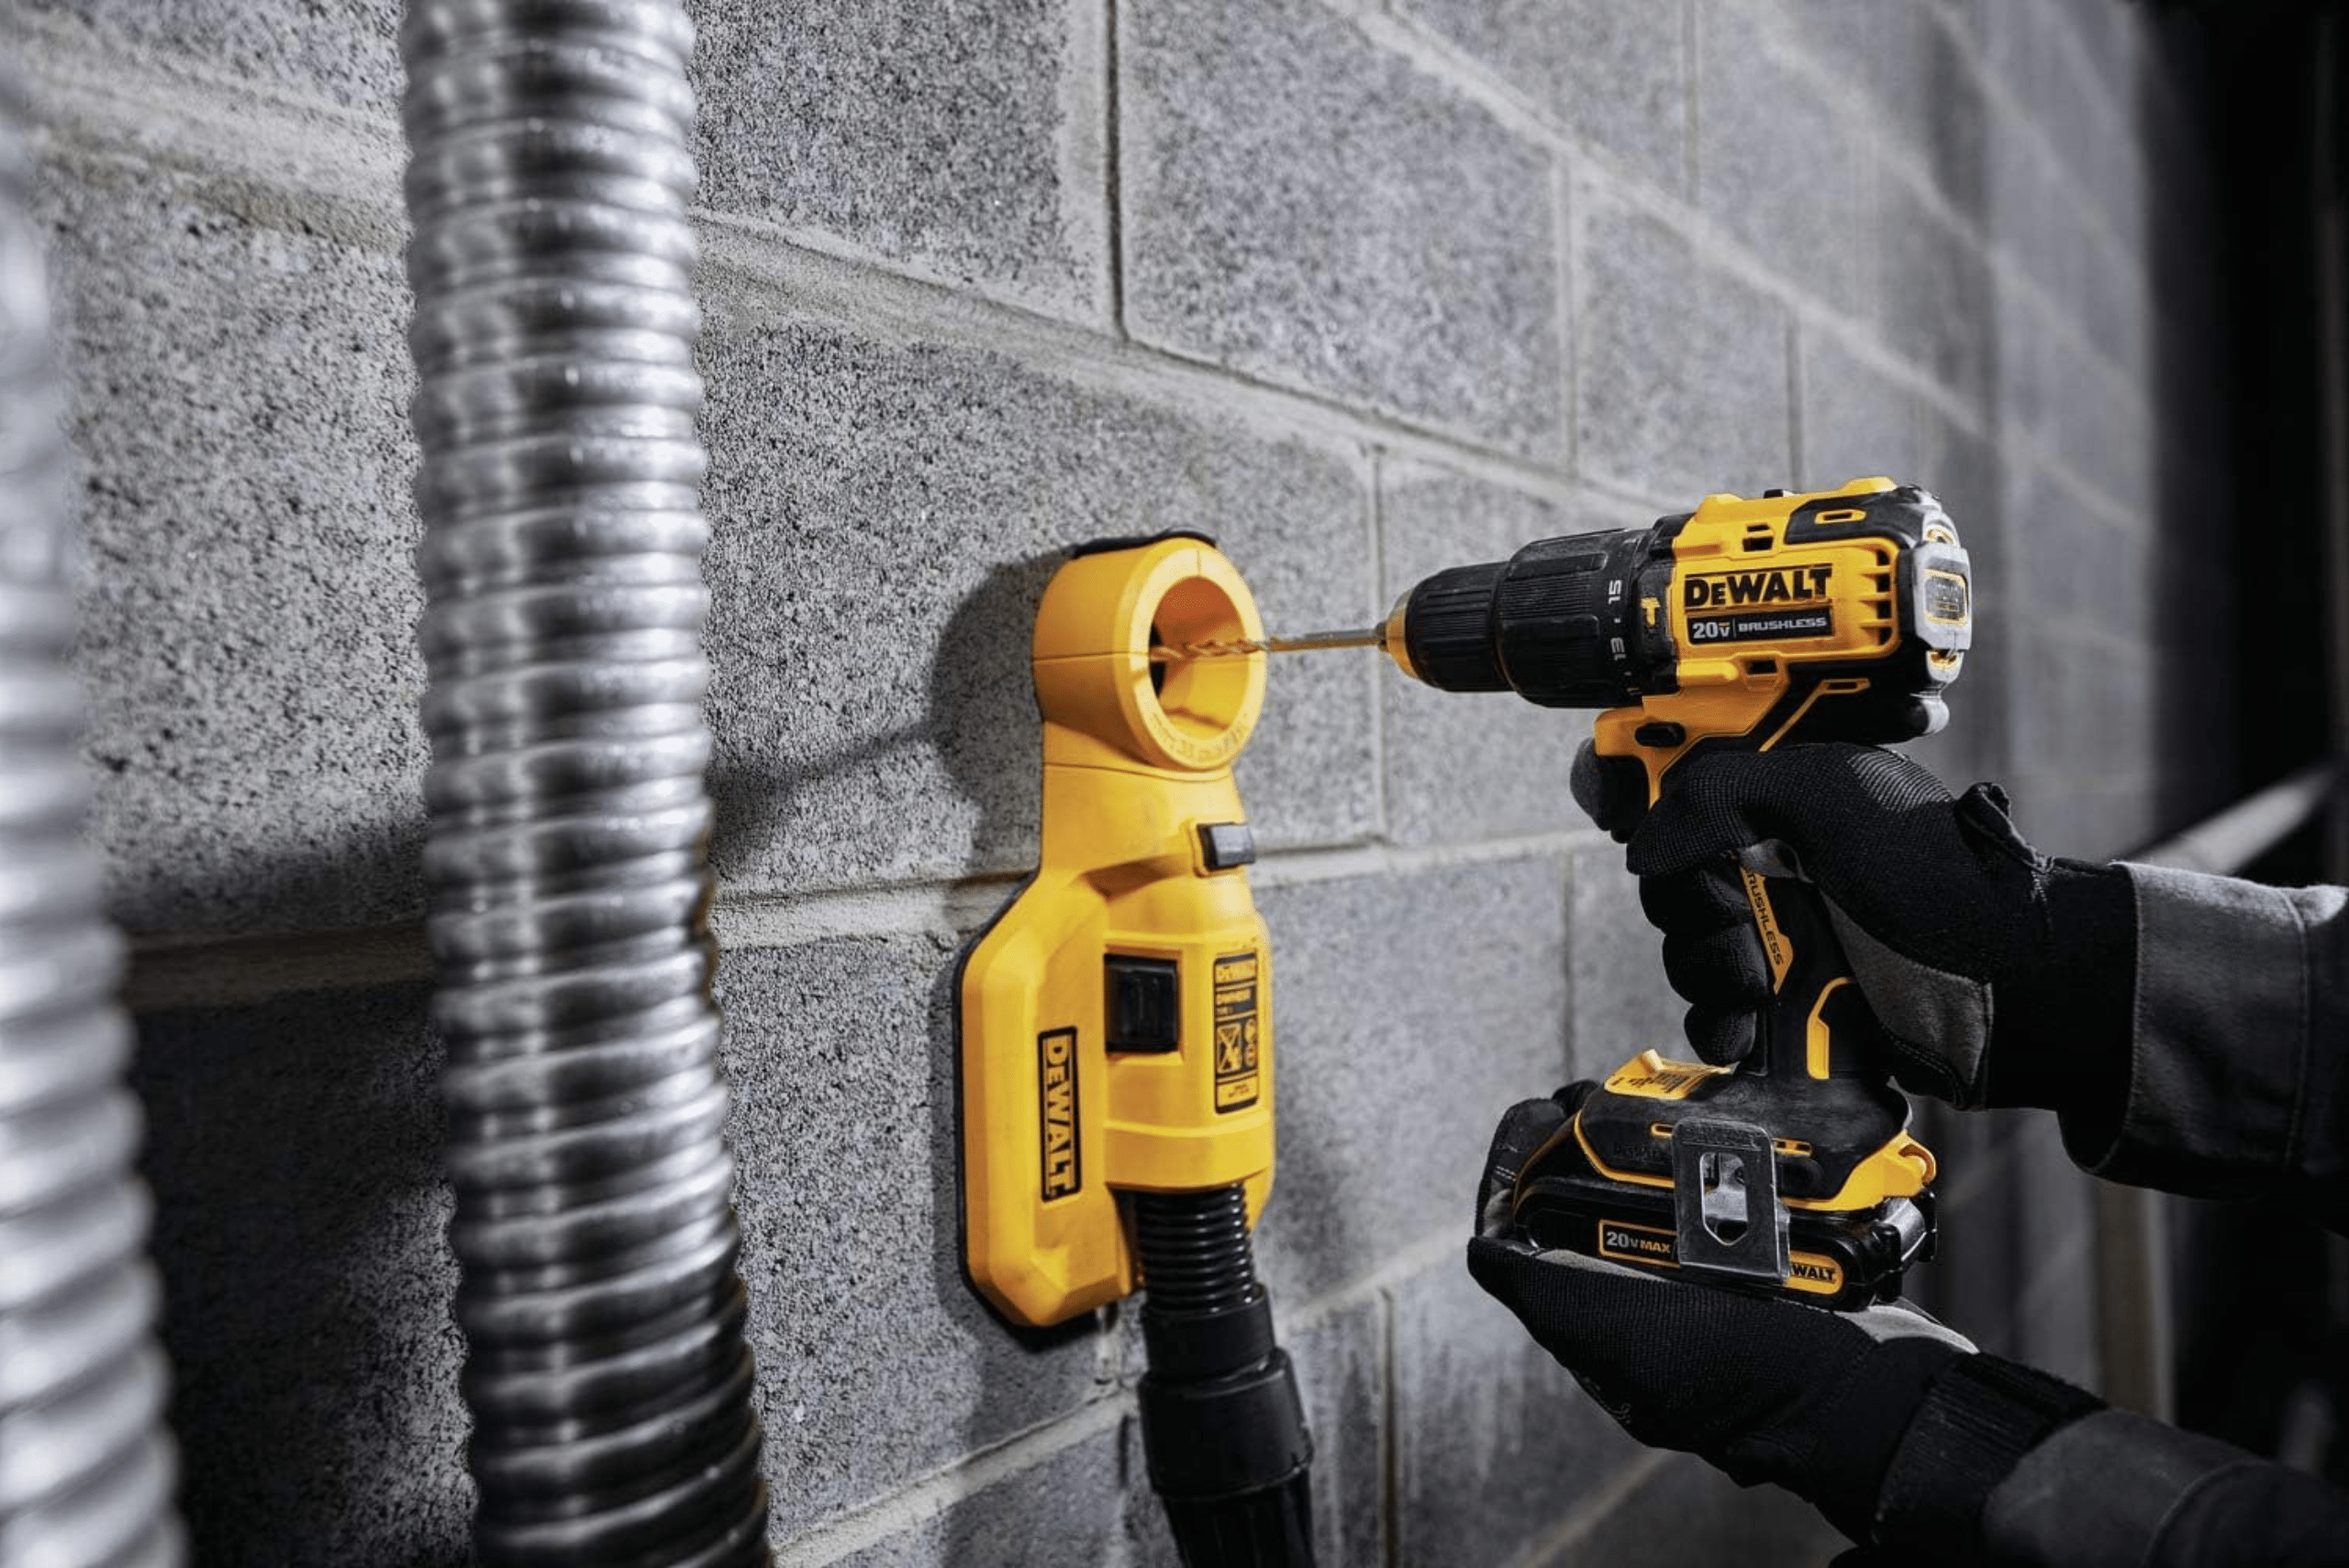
x: 1814, y: 1400
x: 1996, y: 976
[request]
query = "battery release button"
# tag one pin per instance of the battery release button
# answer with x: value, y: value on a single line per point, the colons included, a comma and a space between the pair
x: 1145, y: 1004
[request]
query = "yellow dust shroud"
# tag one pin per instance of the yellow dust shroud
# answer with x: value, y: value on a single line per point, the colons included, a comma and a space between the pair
x: 1139, y: 918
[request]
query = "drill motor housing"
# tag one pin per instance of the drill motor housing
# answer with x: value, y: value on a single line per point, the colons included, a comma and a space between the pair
x: 1839, y: 615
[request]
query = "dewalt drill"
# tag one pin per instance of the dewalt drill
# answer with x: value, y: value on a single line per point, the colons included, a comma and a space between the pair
x: 1839, y: 615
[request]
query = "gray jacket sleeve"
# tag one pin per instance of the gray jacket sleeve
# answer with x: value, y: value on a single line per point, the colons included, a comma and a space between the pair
x: 2239, y: 1073
x: 2002, y: 1466
x: 2238, y: 1083
x: 2118, y: 1491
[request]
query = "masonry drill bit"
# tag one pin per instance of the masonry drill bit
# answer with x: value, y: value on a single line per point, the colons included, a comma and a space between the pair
x: 1237, y: 647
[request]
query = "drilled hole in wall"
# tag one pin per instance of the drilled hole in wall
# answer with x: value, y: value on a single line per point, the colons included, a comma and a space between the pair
x: 1202, y: 697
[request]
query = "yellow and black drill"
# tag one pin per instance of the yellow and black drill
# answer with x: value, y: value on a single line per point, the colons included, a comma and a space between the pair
x: 1839, y: 615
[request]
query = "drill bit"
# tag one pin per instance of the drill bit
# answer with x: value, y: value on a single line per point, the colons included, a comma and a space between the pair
x: 1238, y: 646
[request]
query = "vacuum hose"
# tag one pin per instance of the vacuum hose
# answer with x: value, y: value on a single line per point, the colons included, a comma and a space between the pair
x: 550, y: 168
x: 1223, y: 1430
x: 86, y: 1467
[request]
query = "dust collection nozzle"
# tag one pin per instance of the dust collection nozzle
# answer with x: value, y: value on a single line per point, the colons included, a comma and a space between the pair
x: 1117, y: 1049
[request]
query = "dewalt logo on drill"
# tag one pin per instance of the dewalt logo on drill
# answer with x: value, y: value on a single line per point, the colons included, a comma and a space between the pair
x: 1785, y: 601
x: 1056, y: 1102
x: 1808, y: 1271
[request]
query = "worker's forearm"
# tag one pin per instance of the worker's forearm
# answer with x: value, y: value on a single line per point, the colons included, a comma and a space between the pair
x: 2118, y: 1491
x: 2002, y: 1466
x: 2235, y: 1081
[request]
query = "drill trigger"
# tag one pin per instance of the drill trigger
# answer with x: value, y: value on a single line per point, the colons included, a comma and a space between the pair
x: 1772, y: 857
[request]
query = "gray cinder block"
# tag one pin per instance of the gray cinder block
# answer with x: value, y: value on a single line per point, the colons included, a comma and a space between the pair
x: 1494, y: 1443
x: 1069, y: 1510
x: 1304, y: 207
x: 1471, y: 765
x: 2070, y: 75
x: 346, y: 55
x: 1341, y: 1361
x: 1618, y: 1000
x: 1978, y: 1271
x: 240, y: 390
x: 1412, y: 1010
x: 965, y: 143
x: 1088, y: 1501
x: 1339, y: 1355
x: 1933, y: 293
x: 1783, y: 171
x: 2031, y: 215
x: 1686, y: 1511
x: 1615, y: 76
x: 1859, y: 421
x: 2070, y: 566
x: 1904, y: 74
x: 1681, y: 384
x: 878, y: 1360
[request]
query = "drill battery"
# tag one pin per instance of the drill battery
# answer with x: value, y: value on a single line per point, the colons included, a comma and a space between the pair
x: 1843, y: 1259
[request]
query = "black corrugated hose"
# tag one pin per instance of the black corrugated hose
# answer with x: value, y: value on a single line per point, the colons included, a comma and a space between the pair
x: 1223, y: 1430
x: 610, y: 1386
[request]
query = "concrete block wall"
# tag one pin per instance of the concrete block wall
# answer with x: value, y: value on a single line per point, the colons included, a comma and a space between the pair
x: 1363, y: 288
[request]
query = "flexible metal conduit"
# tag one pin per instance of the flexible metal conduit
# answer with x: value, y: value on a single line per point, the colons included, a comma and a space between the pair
x: 548, y: 179
x: 86, y: 1468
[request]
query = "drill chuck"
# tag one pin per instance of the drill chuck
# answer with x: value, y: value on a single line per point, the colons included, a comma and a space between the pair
x: 1557, y: 623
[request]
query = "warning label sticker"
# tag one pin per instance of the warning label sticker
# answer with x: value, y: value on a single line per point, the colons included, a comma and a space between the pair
x: 1238, y: 1078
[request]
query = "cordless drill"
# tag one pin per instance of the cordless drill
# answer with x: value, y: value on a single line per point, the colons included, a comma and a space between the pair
x: 1839, y: 615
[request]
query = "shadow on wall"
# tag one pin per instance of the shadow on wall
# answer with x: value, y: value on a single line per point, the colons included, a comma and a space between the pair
x: 2199, y: 510
x: 751, y: 805
x: 983, y: 719
x: 983, y: 716
x: 294, y: 1150
x: 186, y: 877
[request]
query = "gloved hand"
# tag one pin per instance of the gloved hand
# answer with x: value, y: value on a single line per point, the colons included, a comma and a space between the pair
x: 1814, y: 1400
x: 1998, y: 976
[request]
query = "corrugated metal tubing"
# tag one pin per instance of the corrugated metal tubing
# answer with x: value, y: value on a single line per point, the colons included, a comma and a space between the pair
x: 608, y: 1379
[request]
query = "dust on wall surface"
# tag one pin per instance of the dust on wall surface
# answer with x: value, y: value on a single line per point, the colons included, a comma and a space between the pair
x: 1362, y: 289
